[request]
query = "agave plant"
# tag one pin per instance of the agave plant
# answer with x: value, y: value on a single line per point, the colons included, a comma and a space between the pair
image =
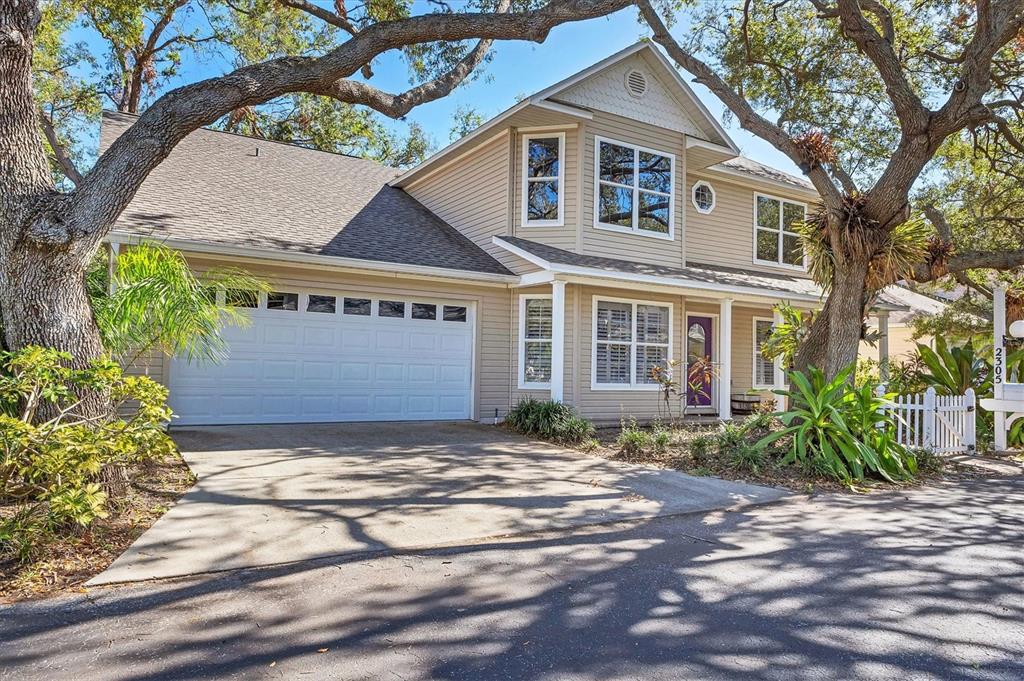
x: 840, y: 430
x: 154, y: 301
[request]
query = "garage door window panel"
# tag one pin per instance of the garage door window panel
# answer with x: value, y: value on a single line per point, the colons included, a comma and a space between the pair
x: 454, y: 313
x: 424, y: 311
x: 234, y: 297
x: 359, y: 307
x: 278, y: 300
x: 321, y: 304
x: 390, y: 308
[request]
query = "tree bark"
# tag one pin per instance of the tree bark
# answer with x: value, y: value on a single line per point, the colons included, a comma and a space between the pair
x: 43, y: 299
x: 833, y: 341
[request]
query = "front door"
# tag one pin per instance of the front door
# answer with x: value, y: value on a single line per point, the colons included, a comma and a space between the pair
x: 699, y: 344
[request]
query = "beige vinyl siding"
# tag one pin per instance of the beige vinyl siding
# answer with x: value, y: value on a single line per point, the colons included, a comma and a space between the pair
x: 611, y: 406
x: 622, y: 246
x: 726, y: 235
x: 491, y: 369
x: 472, y: 195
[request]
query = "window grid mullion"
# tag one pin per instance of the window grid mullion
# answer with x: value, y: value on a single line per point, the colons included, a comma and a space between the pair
x: 636, y: 192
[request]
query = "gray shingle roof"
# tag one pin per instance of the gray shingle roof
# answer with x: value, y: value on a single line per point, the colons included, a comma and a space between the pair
x: 742, y: 164
x: 693, y: 273
x: 214, y: 188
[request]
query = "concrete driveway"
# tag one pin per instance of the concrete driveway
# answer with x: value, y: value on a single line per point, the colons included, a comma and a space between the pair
x: 268, y: 495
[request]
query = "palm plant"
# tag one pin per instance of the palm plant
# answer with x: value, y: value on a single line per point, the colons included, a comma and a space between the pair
x: 840, y: 430
x: 153, y: 300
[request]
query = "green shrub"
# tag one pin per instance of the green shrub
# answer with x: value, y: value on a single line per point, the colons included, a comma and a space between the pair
x: 50, y: 469
x: 661, y: 439
x: 840, y: 430
x: 748, y: 457
x: 549, y: 420
x: 701, y: 448
x: 634, y: 440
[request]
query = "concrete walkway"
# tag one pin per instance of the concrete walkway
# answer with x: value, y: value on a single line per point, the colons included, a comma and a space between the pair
x: 277, y: 494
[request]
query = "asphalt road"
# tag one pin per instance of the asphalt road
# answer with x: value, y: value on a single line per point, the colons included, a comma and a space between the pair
x: 927, y: 584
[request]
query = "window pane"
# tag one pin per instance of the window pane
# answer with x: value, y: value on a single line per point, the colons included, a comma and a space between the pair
x: 357, y: 306
x: 651, y: 324
x: 538, y: 318
x: 764, y: 369
x: 424, y: 311
x: 390, y: 308
x: 282, y: 301
x: 454, y: 313
x: 793, y: 254
x: 703, y: 197
x: 614, y: 321
x: 616, y: 206
x: 238, y: 298
x: 767, y: 213
x: 537, y: 364
x: 326, y: 304
x: 654, y: 215
x: 542, y: 200
x: 616, y: 163
x: 648, y: 357
x: 767, y: 245
x: 792, y: 213
x: 655, y: 172
x: 542, y: 157
x: 612, y: 363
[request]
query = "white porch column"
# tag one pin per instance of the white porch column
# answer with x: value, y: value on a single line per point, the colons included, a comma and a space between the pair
x: 780, y: 371
x: 999, y: 364
x: 725, y: 359
x: 557, y: 340
x: 883, y: 346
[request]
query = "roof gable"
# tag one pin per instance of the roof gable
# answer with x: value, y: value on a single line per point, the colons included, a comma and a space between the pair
x: 606, y: 91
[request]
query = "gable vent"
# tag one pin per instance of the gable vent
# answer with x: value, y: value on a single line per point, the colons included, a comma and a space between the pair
x: 636, y: 83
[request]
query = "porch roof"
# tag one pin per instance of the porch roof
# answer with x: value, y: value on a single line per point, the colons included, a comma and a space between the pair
x: 780, y: 286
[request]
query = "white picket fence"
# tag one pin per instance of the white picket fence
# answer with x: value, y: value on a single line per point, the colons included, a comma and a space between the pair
x: 944, y: 424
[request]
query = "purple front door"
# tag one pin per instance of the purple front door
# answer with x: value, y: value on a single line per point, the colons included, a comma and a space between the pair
x: 698, y: 361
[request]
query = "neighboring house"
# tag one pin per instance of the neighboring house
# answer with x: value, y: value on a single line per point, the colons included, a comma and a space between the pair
x: 897, y: 324
x: 563, y: 249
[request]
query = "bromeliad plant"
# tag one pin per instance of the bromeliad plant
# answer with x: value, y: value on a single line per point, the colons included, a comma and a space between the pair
x: 840, y: 430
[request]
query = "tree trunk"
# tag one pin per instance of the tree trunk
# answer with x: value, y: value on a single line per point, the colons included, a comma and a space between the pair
x: 43, y: 298
x: 834, y: 338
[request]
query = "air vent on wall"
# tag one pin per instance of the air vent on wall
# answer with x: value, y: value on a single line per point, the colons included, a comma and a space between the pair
x: 636, y: 83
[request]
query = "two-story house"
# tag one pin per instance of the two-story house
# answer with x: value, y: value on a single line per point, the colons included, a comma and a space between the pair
x: 593, y: 231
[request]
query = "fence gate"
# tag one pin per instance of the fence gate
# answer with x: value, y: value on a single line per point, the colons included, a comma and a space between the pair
x: 945, y: 424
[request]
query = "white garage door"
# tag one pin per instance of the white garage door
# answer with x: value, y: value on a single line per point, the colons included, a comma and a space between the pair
x: 315, y: 357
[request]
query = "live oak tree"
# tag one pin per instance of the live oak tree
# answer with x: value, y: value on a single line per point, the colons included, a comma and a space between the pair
x: 48, y: 236
x: 862, y: 95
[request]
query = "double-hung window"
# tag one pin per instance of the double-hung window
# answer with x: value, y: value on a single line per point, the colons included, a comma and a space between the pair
x: 630, y: 340
x: 535, y: 329
x: 776, y: 241
x: 764, y: 369
x: 635, y: 189
x: 543, y: 179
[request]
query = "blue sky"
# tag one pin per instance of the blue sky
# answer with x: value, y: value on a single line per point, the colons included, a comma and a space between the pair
x: 518, y: 68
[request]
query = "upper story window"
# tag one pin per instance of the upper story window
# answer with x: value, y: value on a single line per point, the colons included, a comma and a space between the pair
x: 634, y: 189
x: 543, y: 179
x: 703, y: 197
x: 775, y: 239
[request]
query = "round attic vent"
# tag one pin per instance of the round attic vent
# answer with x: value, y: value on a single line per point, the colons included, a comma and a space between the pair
x: 636, y: 83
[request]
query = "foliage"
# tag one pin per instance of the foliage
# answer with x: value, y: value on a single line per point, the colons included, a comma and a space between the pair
x: 786, y: 336
x: 158, y: 303
x: 464, y: 121
x: 951, y: 370
x: 634, y: 440
x: 549, y: 420
x: 51, y: 457
x: 840, y: 429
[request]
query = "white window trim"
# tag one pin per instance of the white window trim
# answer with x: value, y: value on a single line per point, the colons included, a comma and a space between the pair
x: 523, y: 383
x: 693, y: 197
x: 756, y: 356
x: 777, y: 263
x: 524, y: 172
x: 632, y: 385
x: 636, y: 191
